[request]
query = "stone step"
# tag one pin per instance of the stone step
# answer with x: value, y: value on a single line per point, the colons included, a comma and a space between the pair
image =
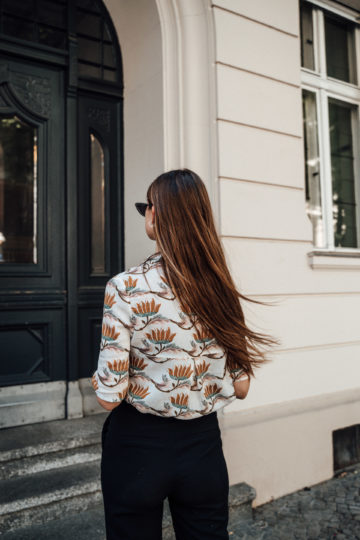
x: 89, y: 524
x: 50, y: 460
x: 44, y: 497
x: 241, y: 496
x: 51, y: 470
x: 86, y: 525
x: 48, y: 495
x: 47, y: 437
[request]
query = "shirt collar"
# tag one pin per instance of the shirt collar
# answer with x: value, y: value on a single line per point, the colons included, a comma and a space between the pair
x: 155, y: 257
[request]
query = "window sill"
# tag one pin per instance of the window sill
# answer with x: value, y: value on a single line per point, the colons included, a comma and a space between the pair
x: 334, y: 259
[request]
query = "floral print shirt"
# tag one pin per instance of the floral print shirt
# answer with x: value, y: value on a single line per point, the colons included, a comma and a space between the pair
x: 151, y: 354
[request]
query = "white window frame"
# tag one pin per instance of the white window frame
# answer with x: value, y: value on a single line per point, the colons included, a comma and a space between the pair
x: 325, y: 87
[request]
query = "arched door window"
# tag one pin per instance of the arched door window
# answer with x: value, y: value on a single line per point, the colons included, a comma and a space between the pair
x: 55, y: 23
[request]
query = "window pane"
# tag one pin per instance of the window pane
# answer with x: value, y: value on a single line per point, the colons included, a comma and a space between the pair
x: 88, y: 5
x: 18, y: 184
x: 109, y: 56
x: 110, y: 75
x: 51, y: 13
x: 20, y: 28
x: 88, y: 70
x: 340, y: 51
x: 342, y: 172
x: 42, y: 21
x: 97, y: 207
x: 88, y: 24
x: 312, y: 168
x: 307, y: 38
x: 89, y: 50
x: 18, y: 7
x: 51, y: 36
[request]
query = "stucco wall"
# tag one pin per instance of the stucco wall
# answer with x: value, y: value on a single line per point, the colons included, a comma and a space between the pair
x: 264, y: 224
x: 267, y: 236
x: 139, y: 33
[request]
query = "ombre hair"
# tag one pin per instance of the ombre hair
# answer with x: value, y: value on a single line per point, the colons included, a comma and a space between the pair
x: 195, y: 267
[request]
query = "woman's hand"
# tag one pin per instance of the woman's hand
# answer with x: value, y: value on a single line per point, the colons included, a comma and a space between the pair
x: 241, y: 387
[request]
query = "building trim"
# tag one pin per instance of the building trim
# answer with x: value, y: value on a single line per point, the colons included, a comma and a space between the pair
x: 188, y: 48
x: 274, y: 411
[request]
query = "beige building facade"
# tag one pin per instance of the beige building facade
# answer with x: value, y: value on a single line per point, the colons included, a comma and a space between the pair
x: 217, y: 87
x: 234, y: 114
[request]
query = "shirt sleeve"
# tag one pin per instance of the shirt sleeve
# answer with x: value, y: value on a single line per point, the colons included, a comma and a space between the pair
x: 111, y: 379
x: 238, y: 374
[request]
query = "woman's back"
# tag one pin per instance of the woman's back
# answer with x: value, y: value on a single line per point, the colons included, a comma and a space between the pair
x: 152, y: 355
x: 174, y: 345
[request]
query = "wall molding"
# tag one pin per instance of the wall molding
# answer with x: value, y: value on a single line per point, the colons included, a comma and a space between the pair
x: 189, y: 82
x: 275, y: 411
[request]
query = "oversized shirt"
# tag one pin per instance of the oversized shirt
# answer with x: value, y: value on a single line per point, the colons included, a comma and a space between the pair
x: 152, y: 355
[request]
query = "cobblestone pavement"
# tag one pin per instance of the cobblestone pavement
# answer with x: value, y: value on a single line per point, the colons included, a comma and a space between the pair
x: 329, y: 510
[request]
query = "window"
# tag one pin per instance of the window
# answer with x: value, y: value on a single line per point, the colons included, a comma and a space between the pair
x: 18, y: 190
x: 46, y: 22
x: 330, y: 76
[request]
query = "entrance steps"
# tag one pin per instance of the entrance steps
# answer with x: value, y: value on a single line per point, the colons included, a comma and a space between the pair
x: 50, y: 483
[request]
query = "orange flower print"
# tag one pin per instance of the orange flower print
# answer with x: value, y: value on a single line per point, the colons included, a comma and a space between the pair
x: 180, y: 401
x: 146, y: 309
x: 137, y: 364
x: 130, y: 284
x: 201, y: 369
x: 122, y: 394
x: 137, y: 391
x: 161, y: 337
x: 118, y: 367
x: 109, y: 333
x: 109, y: 300
x: 211, y: 390
x: 202, y: 336
x: 180, y: 373
x: 94, y: 382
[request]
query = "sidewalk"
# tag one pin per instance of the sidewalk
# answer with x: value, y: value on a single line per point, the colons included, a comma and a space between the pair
x: 329, y: 510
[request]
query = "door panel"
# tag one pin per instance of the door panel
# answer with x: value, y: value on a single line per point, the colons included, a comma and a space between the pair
x: 32, y: 346
x: 32, y: 272
x: 100, y: 216
x: 34, y: 96
x: 61, y: 200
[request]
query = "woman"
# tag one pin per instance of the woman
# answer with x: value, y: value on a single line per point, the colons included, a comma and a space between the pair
x: 174, y: 350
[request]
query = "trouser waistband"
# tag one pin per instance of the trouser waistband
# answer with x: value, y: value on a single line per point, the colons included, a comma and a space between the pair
x: 127, y: 415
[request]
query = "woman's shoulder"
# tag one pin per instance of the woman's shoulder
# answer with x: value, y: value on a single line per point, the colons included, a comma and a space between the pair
x: 133, y: 276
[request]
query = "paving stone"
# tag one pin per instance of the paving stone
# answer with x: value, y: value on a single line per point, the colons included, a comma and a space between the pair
x: 328, y: 511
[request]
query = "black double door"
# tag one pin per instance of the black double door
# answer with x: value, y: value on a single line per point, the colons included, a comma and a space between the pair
x: 61, y: 225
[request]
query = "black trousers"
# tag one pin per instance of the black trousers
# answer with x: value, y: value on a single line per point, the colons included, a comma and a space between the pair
x: 146, y: 458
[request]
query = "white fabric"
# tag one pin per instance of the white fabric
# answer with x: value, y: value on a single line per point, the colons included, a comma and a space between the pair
x: 150, y: 353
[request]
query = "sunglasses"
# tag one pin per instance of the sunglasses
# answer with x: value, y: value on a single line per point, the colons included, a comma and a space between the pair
x: 142, y: 206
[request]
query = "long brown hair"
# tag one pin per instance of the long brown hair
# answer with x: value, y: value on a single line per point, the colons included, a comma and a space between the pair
x: 195, y: 267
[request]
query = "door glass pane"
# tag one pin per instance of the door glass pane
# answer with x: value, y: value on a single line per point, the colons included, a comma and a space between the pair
x: 340, y: 50
x: 307, y: 38
x: 89, y: 50
x: 96, y: 46
x: 18, y: 191
x: 97, y: 206
x: 41, y: 21
x: 312, y: 168
x: 342, y: 172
